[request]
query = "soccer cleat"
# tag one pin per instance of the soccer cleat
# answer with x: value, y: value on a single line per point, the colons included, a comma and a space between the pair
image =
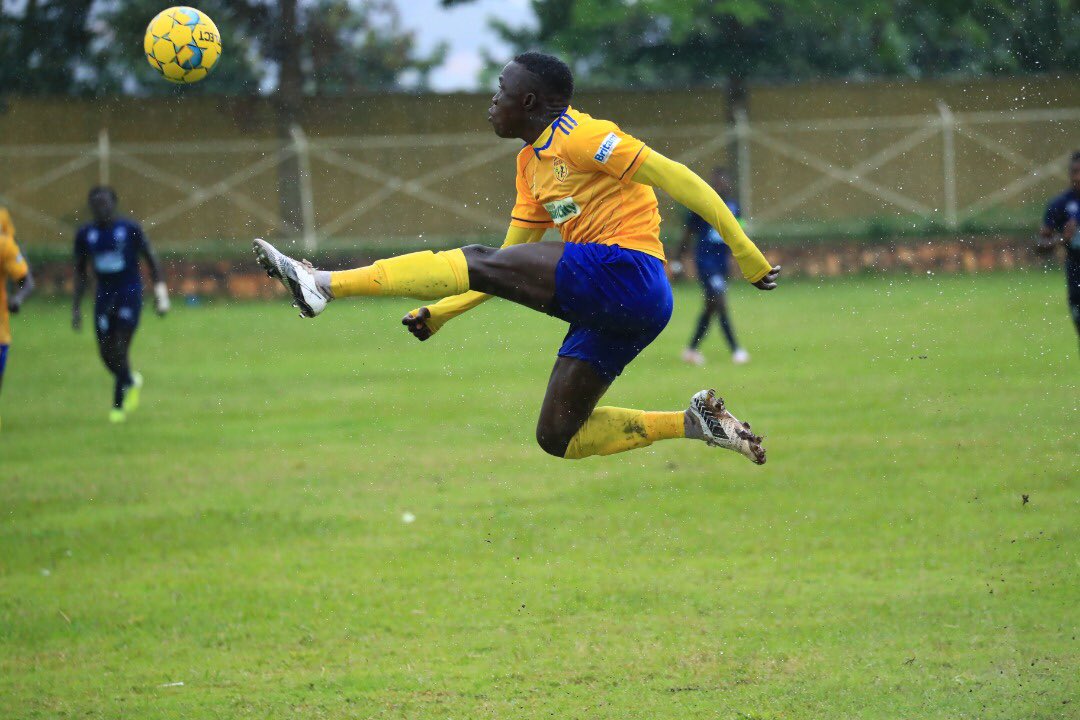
x: 131, y: 395
x: 722, y: 429
x: 693, y: 357
x: 117, y: 415
x: 740, y: 356
x: 297, y: 277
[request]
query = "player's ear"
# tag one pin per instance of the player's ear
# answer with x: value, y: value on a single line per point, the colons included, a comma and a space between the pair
x: 529, y: 102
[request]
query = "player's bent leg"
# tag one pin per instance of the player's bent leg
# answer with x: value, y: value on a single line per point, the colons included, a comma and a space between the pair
x: 574, y: 388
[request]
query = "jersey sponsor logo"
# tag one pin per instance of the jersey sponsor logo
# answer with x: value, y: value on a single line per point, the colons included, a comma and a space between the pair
x: 562, y: 210
x: 606, y: 148
x: 560, y: 169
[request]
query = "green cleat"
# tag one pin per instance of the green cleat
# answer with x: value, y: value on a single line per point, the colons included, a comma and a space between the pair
x: 117, y: 415
x: 131, y: 396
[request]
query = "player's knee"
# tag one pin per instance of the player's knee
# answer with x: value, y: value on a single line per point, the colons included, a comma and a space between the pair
x: 553, y: 439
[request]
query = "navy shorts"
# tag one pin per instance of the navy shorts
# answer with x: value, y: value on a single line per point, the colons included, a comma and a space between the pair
x: 3, y: 358
x: 616, y: 300
x: 116, y: 308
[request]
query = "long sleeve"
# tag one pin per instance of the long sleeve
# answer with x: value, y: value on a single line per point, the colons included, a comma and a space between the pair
x: 687, y: 188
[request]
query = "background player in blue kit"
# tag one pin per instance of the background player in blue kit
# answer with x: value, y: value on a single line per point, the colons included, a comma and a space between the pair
x: 1061, y: 226
x: 113, y: 245
x: 712, y: 258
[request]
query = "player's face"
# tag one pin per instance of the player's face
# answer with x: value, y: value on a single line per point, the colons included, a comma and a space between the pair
x: 509, y: 111
x: 1074, y: 175
x: 102, y: 205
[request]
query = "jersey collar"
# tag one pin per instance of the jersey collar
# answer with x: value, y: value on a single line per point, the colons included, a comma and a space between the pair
x: 563, y: 123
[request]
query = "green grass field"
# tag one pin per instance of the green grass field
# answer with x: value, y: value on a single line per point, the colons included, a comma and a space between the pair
x: 243, y: 534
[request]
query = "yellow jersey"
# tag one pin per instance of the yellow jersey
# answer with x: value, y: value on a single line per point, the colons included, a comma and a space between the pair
x: 12, y: 267
x: 577, y: 177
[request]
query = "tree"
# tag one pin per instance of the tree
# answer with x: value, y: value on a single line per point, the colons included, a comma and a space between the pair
x: 43, y: 46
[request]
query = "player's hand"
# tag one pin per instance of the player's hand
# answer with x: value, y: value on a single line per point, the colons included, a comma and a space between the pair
x: 76, y: 319
x: 769, y: 281
x: 416, y: 321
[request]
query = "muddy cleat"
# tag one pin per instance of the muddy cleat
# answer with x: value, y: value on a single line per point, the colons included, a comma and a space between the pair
x: 298, y: 277
x: 722, y: 429
x: 131, y: 395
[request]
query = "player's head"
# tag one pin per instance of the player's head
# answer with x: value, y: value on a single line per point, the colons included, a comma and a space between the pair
x: 1074, y: 171
x: 531, y: 87
x: 721, y: 181
x: 102, y: 201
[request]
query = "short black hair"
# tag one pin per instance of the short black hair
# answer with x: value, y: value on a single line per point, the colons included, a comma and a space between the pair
x: 553, y: 73
x: 1075, y: 157
x: 102, y: 188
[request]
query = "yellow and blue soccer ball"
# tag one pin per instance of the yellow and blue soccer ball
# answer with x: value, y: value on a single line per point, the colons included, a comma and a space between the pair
x: 183, y: 44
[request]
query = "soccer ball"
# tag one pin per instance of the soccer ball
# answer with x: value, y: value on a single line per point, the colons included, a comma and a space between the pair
x: 182, y: 44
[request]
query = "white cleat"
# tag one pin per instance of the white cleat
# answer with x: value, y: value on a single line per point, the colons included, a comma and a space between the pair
x: 722, y: 429
x: 691, y: 356
x: 740, y: 356
x: 297, y: 277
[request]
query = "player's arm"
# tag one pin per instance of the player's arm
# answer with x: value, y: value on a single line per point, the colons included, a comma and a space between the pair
x: 687, y: 188
x: 81, y: 261
x: 426, y: 321
x: 157, y: 277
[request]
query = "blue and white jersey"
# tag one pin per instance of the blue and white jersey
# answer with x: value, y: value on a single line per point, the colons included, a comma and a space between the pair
x: 710, y: 246
x: 113, y: 250
x: 1059, y: 212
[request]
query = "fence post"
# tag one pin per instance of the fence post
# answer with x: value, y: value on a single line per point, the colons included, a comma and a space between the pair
x: 948, y: 140
x: 307, y: 199
x: 103, y: 157
x: 742, y: 138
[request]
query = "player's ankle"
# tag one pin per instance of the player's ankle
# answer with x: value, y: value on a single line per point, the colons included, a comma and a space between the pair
x: 322, y: 281
x: 691, y: 427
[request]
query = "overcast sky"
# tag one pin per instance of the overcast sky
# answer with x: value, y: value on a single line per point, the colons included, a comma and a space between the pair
x: 465, y: 29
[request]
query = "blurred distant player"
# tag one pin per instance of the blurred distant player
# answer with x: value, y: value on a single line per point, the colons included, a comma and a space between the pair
x: 1061, y: 226
x: 712, y: 258
x: 594, y: 183
x: 113, y: 245
x: 13, y: 267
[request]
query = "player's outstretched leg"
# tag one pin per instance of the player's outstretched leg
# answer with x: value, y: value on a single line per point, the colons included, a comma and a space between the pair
x: 423, y: 275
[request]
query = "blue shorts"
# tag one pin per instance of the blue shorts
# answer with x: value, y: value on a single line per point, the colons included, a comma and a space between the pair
x: 3, y: 358
x: 616, y: 300
x: 712, y: 271
x: 116, y: 308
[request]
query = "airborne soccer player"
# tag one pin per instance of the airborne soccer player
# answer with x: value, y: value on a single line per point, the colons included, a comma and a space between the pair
x: 13, y: 267
x: 1061, y: 226
x: 114, y: 245
x: 594, y: 183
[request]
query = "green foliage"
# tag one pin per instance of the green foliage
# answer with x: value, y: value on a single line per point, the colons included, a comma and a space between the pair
x: 242, y: 534
x: 45, y: 48
x: 95, y: 47
x: 650, y: 43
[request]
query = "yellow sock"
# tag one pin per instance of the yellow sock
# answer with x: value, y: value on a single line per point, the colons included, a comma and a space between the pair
x: 611, y: 430
x: 423, y: 275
